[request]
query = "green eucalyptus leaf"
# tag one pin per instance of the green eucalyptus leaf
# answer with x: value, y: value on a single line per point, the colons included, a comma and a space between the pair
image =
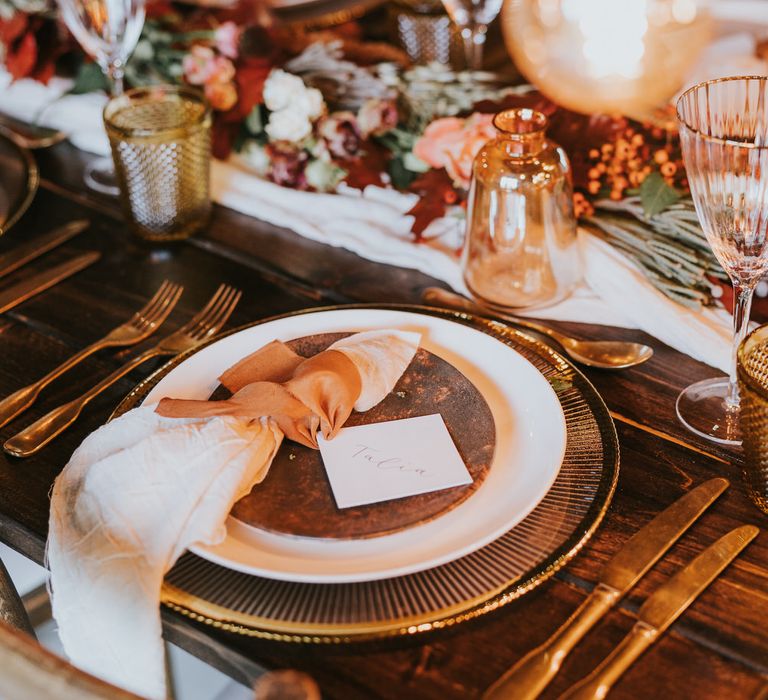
x: 144, y: 50
x: 254, y: 122
x: 401, y: 176
x: 414, y: 163
x: 323, y: 176
x: 89, y: 78
x: 656, y: 195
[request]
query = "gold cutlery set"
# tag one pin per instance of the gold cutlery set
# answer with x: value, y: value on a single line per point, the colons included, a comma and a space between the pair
x: 203, y: 326
x: 38, y: 282
x: 529, y: 676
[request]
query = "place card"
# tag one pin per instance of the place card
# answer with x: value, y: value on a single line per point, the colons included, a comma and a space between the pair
x: 382, y: 461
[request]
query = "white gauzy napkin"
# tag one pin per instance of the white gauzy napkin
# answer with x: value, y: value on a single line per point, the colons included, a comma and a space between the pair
x: 134, y: 496
x: 374, y: 224
x: 143, y: 488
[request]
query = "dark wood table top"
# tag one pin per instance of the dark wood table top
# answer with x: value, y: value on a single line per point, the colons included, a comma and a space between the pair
x: 718, y: 649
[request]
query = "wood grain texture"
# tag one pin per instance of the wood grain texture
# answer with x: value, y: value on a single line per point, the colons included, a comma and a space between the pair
x: 718, y: 649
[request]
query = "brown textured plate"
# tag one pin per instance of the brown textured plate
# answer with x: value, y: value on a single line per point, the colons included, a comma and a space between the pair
x: 296, y: 497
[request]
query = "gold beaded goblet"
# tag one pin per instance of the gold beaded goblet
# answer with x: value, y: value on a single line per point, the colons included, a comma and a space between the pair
x: 753, y: 395
x: 161, y: 144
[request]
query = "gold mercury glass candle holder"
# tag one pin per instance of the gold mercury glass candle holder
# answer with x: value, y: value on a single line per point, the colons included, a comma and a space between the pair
x: 752, y: 371
x: 521, y: 247
x: 161, y: 144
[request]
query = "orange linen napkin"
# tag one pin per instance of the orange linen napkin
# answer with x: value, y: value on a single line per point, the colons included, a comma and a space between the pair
x: 144, y: 487
x: 298, y: 393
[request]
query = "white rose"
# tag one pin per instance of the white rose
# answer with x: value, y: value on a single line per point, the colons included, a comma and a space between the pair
x: 256, y: 156
x: 288, y: 125
x: 282, y: 90
x: 311, y: 103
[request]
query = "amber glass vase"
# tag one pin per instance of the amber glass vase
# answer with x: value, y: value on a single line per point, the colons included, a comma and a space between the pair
x: 521, y: 249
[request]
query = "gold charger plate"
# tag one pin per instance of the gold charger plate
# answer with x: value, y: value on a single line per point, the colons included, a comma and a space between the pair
x: 19, y: 180
x: 473, y: 585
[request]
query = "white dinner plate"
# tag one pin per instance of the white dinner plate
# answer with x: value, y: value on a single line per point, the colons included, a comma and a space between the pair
x: 530, y: 443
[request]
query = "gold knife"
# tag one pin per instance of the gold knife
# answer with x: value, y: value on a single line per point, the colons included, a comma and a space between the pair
x: 667, y: 603
x: 22, y: 254
x: 41, y: 281
x: 529, y: 676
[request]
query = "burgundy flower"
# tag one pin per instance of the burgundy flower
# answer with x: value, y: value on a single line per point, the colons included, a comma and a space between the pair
x: 341, y: 134
x: 377, y: 117
x: 287, y: 164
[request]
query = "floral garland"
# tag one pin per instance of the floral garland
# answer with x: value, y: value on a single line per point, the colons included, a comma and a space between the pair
x: 312, y: 119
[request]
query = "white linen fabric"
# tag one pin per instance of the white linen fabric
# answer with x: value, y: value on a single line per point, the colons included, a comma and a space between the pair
x: 134, y: 496
x: 143, y: 488
x: 378, y: 358
x: 374, y: 224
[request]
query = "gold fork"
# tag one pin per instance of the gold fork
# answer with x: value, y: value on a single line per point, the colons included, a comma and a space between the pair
x: 205, y: 324
x: 137, y: 328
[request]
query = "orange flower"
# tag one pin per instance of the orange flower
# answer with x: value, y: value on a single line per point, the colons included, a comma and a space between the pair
x: 222, y: 96
x: 203, y: 66
x: 453, y: 143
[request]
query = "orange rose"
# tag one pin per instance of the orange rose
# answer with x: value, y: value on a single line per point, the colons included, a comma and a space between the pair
x: 453, y: 143
x: 222, y: 96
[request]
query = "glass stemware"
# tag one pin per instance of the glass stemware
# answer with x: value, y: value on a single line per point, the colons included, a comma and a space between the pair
x: 108, y: 31
x: 472, y: 17
x: 724, y: 137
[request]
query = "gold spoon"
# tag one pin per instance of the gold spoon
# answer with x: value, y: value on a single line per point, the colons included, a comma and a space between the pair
x: 606, y: 354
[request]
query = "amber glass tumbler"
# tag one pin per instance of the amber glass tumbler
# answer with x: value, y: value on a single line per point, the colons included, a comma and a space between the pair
x: 161, y: 144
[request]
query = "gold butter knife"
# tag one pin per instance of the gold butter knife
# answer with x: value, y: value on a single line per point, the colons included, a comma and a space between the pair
x: 667, y: 603
x: 40, y: 245
x: 529, y: 676
x: 41, y: 281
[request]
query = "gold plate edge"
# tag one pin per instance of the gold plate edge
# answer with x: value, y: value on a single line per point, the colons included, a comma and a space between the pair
x: 33, y: 183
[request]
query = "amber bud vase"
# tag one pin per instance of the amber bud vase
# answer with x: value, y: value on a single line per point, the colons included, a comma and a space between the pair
x: 521, y: 248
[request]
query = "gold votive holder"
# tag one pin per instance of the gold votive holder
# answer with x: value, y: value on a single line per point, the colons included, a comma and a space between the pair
x: 425, y: 31
x: 752, y: 370
x: 161, y: 145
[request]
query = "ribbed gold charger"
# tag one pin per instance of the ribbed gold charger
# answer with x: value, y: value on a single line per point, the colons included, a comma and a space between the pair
x: 18, y: 181
x: 474, y: 584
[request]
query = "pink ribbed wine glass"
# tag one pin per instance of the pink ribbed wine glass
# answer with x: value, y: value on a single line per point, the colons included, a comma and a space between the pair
x: 724, y: 136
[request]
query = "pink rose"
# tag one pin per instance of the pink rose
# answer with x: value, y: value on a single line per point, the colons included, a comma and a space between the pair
x: 341, y: 134
x: 453, y: 143
x: 203, y: 65
x: 377, y: 117
x: 227, y: 39
x: 197, y: 64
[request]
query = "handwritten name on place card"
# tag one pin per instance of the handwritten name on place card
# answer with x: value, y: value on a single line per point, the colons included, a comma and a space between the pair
x: 381, y: 461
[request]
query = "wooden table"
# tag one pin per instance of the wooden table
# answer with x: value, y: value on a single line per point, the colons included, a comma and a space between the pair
x: 718, y: 649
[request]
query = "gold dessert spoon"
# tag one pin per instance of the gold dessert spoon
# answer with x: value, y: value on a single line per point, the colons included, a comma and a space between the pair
x: 605, y: 354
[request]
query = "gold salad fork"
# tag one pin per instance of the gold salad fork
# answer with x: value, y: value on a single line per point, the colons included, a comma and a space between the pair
x: 137, y: 328
x: 205, y: 324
